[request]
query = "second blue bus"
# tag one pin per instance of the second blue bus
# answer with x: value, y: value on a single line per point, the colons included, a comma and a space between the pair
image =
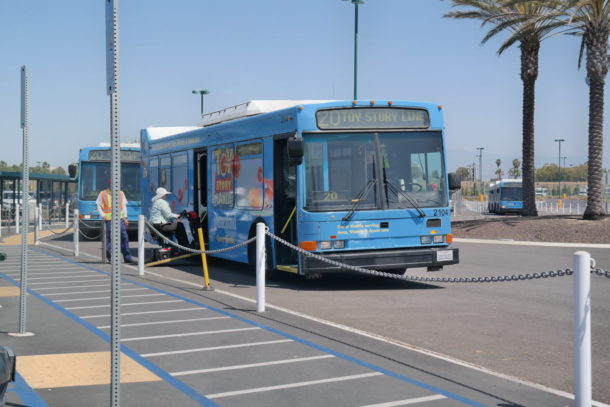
x: 506, y: 196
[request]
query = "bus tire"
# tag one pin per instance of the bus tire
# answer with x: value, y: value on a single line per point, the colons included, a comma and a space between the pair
x: 269, y: 271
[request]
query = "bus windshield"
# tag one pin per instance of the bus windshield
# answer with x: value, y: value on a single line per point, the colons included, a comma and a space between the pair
x: 407, y: 167
x: 511, y: 194
x: 94, y: 178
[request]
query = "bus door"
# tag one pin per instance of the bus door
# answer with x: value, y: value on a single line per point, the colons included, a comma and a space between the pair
x: 201, y: 186
x: 285, y: 193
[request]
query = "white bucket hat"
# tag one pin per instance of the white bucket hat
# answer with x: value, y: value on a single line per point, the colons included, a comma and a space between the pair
x: 161, y: 192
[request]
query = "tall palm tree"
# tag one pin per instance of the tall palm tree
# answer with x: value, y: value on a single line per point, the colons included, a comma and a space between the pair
x: 591, y: 19
x: 514, y: 16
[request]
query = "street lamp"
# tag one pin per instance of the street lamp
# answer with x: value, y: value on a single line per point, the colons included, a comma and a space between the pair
x: 201, y: 92
x: 480, y: 155
x: 356, y: 3
x: 559, y: 140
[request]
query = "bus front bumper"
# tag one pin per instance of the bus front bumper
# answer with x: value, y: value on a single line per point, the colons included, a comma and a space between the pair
x: 395, y: 259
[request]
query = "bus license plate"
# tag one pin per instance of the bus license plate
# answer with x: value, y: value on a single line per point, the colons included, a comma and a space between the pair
x: 444, y: 255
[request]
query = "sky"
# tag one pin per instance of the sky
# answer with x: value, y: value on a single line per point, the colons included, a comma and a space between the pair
x: 244, y: 50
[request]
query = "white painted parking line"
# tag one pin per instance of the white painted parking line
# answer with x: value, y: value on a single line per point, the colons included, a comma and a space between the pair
x: 73, y: 281
x: 237, y: 367
x: 291, y: 385
x: 124, y: 305
x: 107, y: 298
x: 146, y: 312
x: 61, y: 277
x: 408, y: 402
x: 173, y: 321
x: 220, y: 331
x: 45, y: 271
x: 81, y: 286
x: 93, y: 292
x: 239, y: 345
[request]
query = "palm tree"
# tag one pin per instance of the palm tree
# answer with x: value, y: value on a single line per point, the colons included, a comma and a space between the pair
x: 591, y: 19
x: 515, y: 17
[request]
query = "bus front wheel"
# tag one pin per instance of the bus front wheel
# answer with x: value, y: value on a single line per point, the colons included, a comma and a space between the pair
x: 269, y: 272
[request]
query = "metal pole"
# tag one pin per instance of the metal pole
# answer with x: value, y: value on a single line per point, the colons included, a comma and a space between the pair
x: 76, y: 229
x: 67, y: 213
x: 24, y: 199
x: 39, y: 220
x: 202, y: 104
x: 17, y: 218
x: 36, y: 220
x: 356, y: 51
x: 112, y: 66
x: 141, y: 225
x: 260, y: 266
x: 582, y: 329
x: 204, y: 262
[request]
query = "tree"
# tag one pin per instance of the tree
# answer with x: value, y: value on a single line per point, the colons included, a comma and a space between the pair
x: 499, y: 171
x: 515, y: 16
x: 515, y: 172
x: 592, y: 20
x: 463, y: 172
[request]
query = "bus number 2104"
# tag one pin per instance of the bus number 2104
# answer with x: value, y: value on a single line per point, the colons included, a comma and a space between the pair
x: 441, y: 212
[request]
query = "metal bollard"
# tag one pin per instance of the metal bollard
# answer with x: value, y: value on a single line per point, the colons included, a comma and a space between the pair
x: 76, y: 232
x: 36, y: 219
x: 582, y: 329
x: 260, y: 267
x: 17, y: 219
x: 67, y: 213
x: 141, y: 225
x: 39, y: 221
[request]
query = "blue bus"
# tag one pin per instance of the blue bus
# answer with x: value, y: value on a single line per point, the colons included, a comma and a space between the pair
x: 94, y: 172
x: 505, y: 196
x: 361, y: 182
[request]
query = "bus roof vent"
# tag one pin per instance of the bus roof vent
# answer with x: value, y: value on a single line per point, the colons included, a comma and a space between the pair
x: 123, y: 145
x: 251, y: 108
x: 156, y: 133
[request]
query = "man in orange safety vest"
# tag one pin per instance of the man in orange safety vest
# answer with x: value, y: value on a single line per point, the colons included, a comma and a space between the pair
x: 104, y: 207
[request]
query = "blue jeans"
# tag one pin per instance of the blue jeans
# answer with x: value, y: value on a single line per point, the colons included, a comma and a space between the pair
x: 124, y: 241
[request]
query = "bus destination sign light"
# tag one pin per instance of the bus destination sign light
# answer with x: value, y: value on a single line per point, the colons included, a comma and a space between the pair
x: 372, y: 118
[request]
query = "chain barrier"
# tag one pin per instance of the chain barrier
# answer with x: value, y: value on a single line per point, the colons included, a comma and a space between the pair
x: 48, y: 227
x: 484, y: 279
x: 191, y: 250
x: 87, y: 237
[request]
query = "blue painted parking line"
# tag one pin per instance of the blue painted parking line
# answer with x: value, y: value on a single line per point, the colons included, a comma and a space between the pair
x: 26, y: 394
x: 201, y: 398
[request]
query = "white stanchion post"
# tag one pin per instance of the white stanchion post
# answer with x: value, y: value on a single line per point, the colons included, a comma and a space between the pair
x: 39, y: 219
x: 582, y: 329
x: 17, y: 219
x: 141, y: 245
x: 0, y: 222
x: 36, y: 218
x: 67, y: 214
x: 76, y: 232
x: 260, y: 267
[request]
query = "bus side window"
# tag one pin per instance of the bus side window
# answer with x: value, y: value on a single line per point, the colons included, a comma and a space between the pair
x: 153, y: 175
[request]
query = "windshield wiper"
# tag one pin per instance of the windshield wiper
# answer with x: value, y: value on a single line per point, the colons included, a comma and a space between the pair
x: 361, y: 195
x: 399, y: 192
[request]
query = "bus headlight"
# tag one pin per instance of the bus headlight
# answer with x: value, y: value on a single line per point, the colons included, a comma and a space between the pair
x: 325, y: 244
x: 425, y: 239
x: 439, y: 238
x: 339, y: 244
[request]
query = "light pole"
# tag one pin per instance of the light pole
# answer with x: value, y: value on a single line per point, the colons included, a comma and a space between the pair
x: 480, y: 155
x: 356, y: 3
x: 559, y: 140
x: 201, y: 92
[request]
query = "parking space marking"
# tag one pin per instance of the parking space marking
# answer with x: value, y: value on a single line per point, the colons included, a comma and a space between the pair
x: 173, y: 321
x: 11, y: 291
x: 219, y: 331
x: 408, y: 401
x: 209, y: 348
x: 251, y: 365
x: 57, y: 277
x: 94, y: 291
x: 107, y: 298
x: 79, y: 369
x: 66, y: 282
x: 292, y: 385
x: 144, y: 312
x: 124, y: 305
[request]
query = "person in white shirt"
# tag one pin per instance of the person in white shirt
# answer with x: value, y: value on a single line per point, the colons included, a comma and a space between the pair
x: 164, y: 220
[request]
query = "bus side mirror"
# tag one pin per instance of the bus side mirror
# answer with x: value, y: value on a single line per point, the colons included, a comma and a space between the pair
x: 295, y: 148
x: 455, y: 181
x: 72, y: 170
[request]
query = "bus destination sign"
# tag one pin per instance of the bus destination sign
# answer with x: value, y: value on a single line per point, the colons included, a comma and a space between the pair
x: 104, y: 155
x: 372, y: 118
